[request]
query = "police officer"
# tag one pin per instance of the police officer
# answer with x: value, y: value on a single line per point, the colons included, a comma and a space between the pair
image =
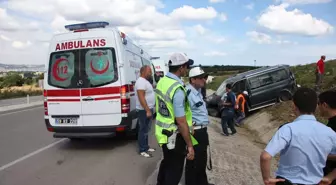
x: 195, y: 173
x: 173, y: 125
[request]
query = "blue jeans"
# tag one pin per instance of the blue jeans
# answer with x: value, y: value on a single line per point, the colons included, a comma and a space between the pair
x: 144, y: 128
x: 241, y: 116
x: 227, y: 120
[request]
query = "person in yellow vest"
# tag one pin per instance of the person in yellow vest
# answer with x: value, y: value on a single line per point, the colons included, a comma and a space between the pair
x: 173, y: 127
x: 240, y: 107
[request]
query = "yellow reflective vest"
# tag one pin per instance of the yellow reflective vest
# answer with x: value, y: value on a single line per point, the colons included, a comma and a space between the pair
x: 165, y: 117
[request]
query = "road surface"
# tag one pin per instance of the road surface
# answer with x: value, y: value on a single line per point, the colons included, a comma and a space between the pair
x: 17, y: 101
x: 30, y: 155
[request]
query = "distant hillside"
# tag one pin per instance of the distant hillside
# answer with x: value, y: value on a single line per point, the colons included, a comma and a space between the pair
x: 305, y: 75
x: 20, y: 67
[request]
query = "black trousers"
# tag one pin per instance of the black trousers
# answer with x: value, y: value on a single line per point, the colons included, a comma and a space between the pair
x: 171, y: 167
x: 286, y: 182
x: 195, y: 170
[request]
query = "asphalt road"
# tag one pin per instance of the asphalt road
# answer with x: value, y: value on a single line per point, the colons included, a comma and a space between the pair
x: 30, y: 155
x: 17, y: 101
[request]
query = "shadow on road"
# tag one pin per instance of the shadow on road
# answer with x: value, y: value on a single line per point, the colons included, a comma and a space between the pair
x: 97, y: 144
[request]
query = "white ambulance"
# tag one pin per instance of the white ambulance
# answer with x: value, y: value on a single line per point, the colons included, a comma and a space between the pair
x: 161, y: 67
x: 88, y: 85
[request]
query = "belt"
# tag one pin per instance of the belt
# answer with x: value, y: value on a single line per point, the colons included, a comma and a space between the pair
x: 196, y: 127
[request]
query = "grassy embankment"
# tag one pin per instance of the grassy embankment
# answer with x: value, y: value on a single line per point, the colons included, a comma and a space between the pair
x: 305, y: 76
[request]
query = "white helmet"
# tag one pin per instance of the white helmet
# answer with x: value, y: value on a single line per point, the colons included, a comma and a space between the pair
x: 196, y: 71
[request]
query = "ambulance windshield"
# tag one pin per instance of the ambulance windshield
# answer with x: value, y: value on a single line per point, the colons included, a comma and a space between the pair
x: 82, y: 68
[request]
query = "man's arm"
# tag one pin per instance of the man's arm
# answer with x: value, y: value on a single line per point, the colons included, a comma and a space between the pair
x: 142, y: 99
x: 332, y: 157
x: 232, y: 100
x: 279, y: 141
x: 328, y: 179
x: 265, y: 165
x: 178, y: 103
x: 141, y: 91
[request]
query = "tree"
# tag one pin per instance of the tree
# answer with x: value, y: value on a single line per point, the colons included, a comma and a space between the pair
x: 41, y: 76
x: 29, y: 81
x: 13, y: 79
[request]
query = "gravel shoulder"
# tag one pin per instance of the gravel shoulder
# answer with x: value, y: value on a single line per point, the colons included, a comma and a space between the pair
x: 235, y: 158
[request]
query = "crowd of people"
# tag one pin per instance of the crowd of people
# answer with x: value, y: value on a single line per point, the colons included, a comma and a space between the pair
x: 180, y: 123
x: 307, y: 147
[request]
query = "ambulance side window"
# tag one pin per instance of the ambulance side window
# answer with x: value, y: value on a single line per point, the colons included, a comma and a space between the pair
x: 100, y: 67
x: 62, y: 69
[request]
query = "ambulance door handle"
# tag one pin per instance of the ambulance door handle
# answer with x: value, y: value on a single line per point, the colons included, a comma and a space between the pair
x: 88, y: 99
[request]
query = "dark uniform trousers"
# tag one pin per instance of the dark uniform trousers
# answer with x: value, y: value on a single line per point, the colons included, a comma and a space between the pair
x: 195, y: 170
x: 286, y: 182
x: 171, y: 167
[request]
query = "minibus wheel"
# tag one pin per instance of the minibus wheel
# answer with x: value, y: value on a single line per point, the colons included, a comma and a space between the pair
x: 284, y: 96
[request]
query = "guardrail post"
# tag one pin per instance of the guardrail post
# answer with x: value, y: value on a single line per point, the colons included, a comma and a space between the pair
x: 27, y: 98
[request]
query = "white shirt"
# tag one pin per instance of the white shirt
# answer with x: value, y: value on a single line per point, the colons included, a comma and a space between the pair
x: 143, y: 84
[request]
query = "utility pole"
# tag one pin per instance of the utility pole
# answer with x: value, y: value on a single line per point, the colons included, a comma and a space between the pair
x: 255, y: 63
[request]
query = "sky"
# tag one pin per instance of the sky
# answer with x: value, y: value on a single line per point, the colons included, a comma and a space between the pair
x: 212, y: 32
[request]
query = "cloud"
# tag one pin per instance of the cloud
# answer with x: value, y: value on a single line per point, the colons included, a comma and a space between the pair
x: 303, y: 2
x: 199, y: 29
x: 262, y: 38
x: 278, y: 19
x: 247, y: 19
x: 10, y: 23
x: 160, y: 45
x: 21, y: 45
x: 259, y: 38
x: 216, y: 1
x: 250, y: 6
x: 156, y: 31
x: 190, y: 13
x: 222, y: 17
x: 215, y: 53
x: 216, y: 38
x: 3, y: 37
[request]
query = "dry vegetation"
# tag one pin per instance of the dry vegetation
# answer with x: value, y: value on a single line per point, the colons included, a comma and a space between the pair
x: 19, y: 91
x: 283, y: 113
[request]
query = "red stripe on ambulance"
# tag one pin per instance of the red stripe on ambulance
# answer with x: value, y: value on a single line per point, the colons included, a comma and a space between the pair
x: 63, y: 92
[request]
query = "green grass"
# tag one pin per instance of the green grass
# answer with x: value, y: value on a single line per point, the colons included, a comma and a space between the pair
x: 305, y: 76
x: 216, y: 82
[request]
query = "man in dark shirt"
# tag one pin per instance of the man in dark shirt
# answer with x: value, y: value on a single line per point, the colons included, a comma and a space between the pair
x: 228, y: 111
x: 327, y: 106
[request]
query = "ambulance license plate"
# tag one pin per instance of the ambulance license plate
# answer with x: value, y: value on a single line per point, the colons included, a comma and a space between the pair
x: 70, y: 121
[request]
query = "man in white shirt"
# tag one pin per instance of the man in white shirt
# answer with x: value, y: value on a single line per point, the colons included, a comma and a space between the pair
x: 145, y: 101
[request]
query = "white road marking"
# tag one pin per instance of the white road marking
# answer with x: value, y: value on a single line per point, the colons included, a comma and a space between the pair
x: 30, y: 155
x: 20, y: 111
